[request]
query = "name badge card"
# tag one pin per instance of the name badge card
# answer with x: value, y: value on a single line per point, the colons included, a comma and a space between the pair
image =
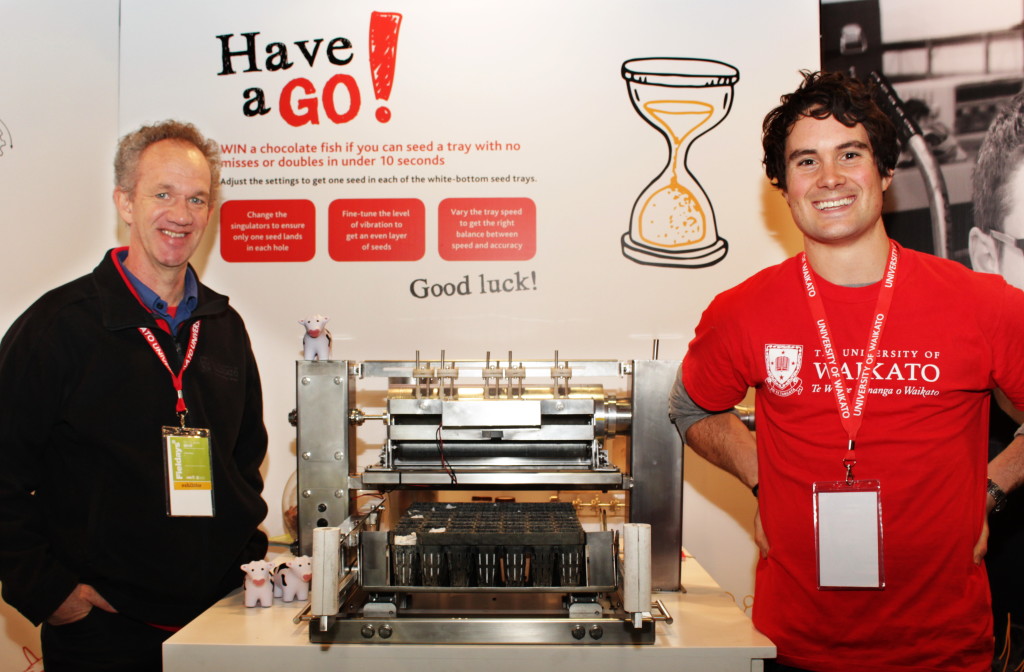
x: 848, y: 535
x: 189, y: 472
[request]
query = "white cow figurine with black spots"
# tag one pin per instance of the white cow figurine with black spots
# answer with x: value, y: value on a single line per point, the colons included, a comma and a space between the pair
x: 316, y: 343
x: 291, y: 578
x: 259, y: 589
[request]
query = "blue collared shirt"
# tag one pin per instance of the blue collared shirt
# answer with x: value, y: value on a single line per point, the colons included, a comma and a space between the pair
x: 158, y: 306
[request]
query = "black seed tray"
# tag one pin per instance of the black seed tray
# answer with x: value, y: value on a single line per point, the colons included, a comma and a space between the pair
x: 489, y: 545
x: 492, y: 524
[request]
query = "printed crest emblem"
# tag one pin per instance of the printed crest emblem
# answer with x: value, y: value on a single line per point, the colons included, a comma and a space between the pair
x: 783, y: 363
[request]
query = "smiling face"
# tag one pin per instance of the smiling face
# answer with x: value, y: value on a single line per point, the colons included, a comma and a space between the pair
x: 833, y: 187
x: 167, y: 212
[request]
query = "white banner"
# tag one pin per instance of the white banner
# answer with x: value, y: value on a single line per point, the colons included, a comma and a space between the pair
x: 464, y: 175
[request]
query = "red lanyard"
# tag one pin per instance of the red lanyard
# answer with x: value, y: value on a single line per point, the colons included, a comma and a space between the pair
x: 176, y: 378
x: 851, y: 412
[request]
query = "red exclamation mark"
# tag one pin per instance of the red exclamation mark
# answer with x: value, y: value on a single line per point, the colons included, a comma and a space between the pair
x: 383, y: 50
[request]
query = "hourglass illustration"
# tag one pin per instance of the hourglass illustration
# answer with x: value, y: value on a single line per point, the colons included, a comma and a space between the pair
x: 673, y: 222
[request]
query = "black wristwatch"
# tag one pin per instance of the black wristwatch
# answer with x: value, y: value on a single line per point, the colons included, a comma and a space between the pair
x: 997, y: 495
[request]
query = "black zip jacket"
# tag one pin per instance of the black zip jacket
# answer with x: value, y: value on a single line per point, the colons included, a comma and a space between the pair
x: 83, y: 398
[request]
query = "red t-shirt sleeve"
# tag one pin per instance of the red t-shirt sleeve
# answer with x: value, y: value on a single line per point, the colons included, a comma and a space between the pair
x: 714, y: 368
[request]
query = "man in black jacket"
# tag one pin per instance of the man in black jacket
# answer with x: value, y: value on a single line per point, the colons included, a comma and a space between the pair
x: 131, y: 429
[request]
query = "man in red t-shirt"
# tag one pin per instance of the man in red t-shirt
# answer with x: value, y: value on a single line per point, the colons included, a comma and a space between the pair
x: 873, y: 366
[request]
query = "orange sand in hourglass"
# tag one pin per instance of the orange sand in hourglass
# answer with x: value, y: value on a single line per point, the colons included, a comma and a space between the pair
x: 672, y: 216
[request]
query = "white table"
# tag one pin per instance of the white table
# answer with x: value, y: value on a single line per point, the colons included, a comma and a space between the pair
x: 709, y: 633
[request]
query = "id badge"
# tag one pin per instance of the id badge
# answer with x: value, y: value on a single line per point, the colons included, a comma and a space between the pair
x: 848, y: 535
x: 188, y: 470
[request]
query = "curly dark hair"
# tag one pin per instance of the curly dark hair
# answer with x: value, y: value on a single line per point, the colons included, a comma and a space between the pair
x: 132, y: 145
x: 828, y: 94
x: 1000, y: 154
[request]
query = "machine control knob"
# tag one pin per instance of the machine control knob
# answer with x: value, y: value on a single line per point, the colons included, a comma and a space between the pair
x: 385, y: 631
x: 579, y: 632
x: 596, y: 632
x: 367, y: 631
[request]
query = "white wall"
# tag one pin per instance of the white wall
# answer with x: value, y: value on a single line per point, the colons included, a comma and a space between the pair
x: 58, y: 102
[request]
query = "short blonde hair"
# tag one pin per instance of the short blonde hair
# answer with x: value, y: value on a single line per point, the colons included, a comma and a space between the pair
x: 132, y: 145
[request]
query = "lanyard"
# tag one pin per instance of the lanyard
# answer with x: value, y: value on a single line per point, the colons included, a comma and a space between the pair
x: 851, y: 411
x: 176, y: 379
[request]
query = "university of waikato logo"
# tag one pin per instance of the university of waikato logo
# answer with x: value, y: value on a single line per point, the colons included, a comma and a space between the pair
x: 783, y: 363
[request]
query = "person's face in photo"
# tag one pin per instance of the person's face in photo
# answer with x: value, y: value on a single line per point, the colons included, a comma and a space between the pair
x: 1000, y: 251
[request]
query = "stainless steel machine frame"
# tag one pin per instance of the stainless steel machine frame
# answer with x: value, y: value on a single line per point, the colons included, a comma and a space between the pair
x: 327, y: 420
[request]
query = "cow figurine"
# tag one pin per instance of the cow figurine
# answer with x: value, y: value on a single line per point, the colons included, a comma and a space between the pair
x: 316, y: 344
x: 259, y: 589
x: 291, y: 578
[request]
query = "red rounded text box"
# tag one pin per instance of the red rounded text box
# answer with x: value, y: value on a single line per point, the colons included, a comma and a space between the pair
x: 376, y: 229
x: 281, y: 230
x: 487, y: 229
